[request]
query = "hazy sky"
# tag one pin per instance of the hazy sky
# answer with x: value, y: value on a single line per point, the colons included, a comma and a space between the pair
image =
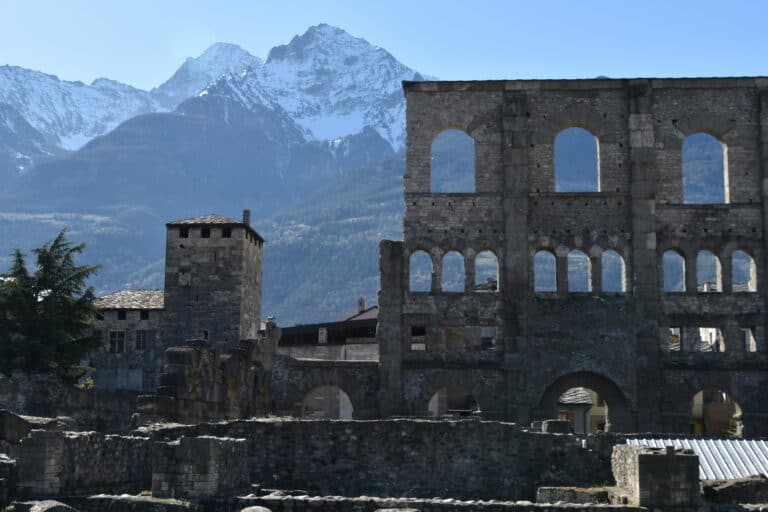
x: 141, y: 42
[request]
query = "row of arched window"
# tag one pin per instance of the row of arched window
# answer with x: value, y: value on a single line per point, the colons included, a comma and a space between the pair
x: 709, y: 277
x: 577, y: 165
x: 579, y: 277
x: 453, y: 276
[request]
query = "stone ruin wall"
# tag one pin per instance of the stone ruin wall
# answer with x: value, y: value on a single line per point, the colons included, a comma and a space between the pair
x: 612, y: 343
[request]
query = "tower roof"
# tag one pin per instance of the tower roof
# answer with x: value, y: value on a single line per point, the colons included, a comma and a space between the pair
x: 132, y: 299
x: 214, y: 219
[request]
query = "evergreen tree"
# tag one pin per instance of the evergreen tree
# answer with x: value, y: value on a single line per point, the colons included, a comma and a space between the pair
x: 46, y: 315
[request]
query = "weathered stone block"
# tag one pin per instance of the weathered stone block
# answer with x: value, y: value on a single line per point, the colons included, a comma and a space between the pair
x: 199, y: 467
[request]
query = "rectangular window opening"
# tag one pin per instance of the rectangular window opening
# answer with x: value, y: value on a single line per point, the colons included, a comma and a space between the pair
x: 708, y: 339
x: 144, y: 315
x: 418, y: 342
x: 226, y: 233
x: 141, y: 340
x: 205, y: 233
x: 122, y: 314
x: 116, y: 342
x: 184, y: 233
x: 750, y: 343
x: 203, y: 334
x: 675, y: 339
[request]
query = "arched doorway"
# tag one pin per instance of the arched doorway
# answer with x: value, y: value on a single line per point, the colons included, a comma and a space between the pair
x: 715, y: 413
x: 617, y: 417
x: 584, y: 408
x: 452, y: 400
x: 327, y: 402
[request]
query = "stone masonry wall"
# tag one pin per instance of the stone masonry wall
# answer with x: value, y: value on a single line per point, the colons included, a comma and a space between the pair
x: 60, y: 463
x: 458, y: 459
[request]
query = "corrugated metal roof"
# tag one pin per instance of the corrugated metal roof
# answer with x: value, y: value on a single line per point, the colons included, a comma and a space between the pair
x: 720, y: 459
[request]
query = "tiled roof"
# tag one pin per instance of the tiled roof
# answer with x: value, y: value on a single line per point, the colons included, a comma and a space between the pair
x: 213, y: 218
x: 132, y: 299
x: 575, y: 396
x: 366, y: 314
x: 720, y: 459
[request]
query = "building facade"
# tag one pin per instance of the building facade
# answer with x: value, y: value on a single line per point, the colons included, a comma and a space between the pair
x: 638, y: 343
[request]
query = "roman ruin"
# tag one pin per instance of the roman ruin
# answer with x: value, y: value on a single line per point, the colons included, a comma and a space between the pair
x: 522, y: 299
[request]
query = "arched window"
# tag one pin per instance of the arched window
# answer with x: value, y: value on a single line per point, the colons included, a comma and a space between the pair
x: 673, y: 268
x: 584, y: 408
x: 486, y: 272
x: 454, y: 400
x: 744, y: 272
x: 544, y: 272
x: 327, y: 402
x: 576, y: 161
x: 452, y: 277
x: 705, y: 170
x: 453, y: 162
x: 715, y: 413
x: 613, y: 272
x: 579, y: 272
x: 708, y: 276
x: 420, y: 272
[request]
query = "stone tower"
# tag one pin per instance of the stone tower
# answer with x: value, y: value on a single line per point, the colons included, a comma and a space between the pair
x: 212, y: 280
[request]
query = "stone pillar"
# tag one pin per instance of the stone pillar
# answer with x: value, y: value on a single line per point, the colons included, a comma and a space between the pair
x: 561, y: 272
x: 726, y: 272
x: 389, y: 330
x: 645, y: 261
x: 691, y: 279
x: 41, y: 464
x: 734, y: 339
x: 596, y: 273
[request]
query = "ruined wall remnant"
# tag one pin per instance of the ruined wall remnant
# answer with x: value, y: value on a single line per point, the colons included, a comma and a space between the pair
x: 581, y: 298
x: 651, y: 477
x: 199, y: 467
x: 460, y: 459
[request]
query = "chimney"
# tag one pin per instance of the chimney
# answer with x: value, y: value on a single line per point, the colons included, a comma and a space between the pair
x: 361, y: 304
x: 247, y: 217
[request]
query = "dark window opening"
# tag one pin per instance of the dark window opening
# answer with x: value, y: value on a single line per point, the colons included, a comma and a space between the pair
x: 184, y: 233
x: 205, y: 233
x: 418, y: 338
x: 144, y: 314
x: 122, y: 314
x: 116, y: 342
x: 141, y: 340
x: 226, y: 233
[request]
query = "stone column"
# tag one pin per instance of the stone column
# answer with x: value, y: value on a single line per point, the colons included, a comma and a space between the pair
x: 389, y: 331
x: 596, y: 273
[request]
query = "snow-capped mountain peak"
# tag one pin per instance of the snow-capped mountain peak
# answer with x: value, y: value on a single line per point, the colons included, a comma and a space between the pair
x: 332, y: 84
x: 199, y: 72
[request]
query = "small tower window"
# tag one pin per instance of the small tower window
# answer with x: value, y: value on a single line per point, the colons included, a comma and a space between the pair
x: 205, y: 233
x: 226, y: 233
x: 121, y: 314
x: 184, y: 233
x: 144, y: 315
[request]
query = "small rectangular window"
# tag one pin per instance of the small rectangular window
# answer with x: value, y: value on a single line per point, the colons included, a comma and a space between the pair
x: 750, y: 343
x: 205, y: 233
x: 141, y: 340
x: 418, y: 338
x: 203, y: 334
x: 117, y: 342
x: 674, y: 339
x: 122, y: 314
x: 226, y: 233
x: 144, y: 315
x: 709, y: 339
x: 184, y: 233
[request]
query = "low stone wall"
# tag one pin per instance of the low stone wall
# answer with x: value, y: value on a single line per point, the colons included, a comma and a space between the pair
x: 367, y: 504
x: 459, y: 459
x: 44, y: 395
x: 61, y: 463
x: 199, y: 467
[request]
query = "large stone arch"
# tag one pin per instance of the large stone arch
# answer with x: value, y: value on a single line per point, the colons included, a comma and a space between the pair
x: 620, y: 419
